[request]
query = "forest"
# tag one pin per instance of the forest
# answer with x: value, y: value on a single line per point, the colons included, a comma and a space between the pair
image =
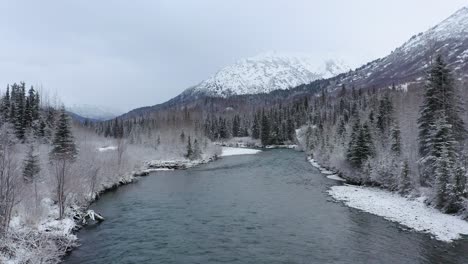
x: 406, y: 138
x: 53, y: 167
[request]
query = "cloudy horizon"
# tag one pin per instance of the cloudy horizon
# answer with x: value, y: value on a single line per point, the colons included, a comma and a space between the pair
x: 124, y: 55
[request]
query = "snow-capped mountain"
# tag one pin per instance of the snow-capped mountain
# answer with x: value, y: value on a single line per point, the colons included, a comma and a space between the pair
x: 409, y: 62
x: 94, y: 112
x: 406, y: 64
x: 265, y: 73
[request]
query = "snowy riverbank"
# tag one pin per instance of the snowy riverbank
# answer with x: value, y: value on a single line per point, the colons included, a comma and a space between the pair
x: 57, y: 236
x: 330, y: 174
x: 230, y: 151
x: 60, y: 234
x: 412, y: 213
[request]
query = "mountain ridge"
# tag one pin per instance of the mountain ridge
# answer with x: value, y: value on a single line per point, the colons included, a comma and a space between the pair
x: 406, y: 64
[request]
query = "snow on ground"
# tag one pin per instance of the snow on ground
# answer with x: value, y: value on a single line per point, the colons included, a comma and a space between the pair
x: 335, y: 177
x: 331, y: 175
x: 228, y: 151
x: 411, y: 213
x: 281, y: 146
x: 108, y: 148
x: 327, y: 172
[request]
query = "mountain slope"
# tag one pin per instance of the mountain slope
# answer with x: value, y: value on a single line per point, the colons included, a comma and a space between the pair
x: 265, y: 73
x: 409, y: 62
x: 274, y: 74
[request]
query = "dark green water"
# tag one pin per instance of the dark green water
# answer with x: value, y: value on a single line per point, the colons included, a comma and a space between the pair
x: 265, y: 208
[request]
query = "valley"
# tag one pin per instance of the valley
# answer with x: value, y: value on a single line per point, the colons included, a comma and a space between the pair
x: 276, y: 158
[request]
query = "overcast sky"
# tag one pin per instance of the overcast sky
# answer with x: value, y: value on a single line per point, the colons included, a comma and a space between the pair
x: 126, y: 54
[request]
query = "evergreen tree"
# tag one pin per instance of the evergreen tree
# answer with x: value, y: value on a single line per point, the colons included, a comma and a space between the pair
x: 63, y: 145
x: 62, y: 154
x: 404, y: 183
x: 308, y: 137
x: 6, y: 104
x: 31, y: 170
x: 360, y: 147
x: 189, y: 152
x: 182, y: 137
x: 256, y: 127
x: 197, y: 153
x: 236, y: 126
x: 266, y: 133
x: 352, y: 154
x: 31, y: 165
x: 384, y: 117
x: 341, y: 128
x: 440, y: 94
x: 442, y: 161
x: 396, y: 140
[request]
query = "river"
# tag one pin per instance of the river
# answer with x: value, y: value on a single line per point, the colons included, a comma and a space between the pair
x: 266, y: 208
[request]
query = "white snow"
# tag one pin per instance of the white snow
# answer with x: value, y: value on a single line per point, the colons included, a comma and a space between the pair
x: 229, y: 151
x: 327, y: 172
x: 411, y: 213
x: 336, y: 178
x: 268, y: 72
x: 107, y: 148
x: 330, y: 174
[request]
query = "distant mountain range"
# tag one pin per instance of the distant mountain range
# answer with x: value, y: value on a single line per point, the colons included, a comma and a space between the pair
x: 92, y: 112
x: 289, y: 76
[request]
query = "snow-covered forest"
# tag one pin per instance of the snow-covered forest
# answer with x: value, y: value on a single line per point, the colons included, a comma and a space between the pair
x: 409, y: 138
x: 52, y: 168
x: 411, y: 141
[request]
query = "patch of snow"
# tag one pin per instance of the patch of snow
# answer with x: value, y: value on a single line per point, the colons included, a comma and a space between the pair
x: 411, y: 213
x: 108, y: 148
x: 335, y: 177
x: 229, y: 151
x: 314, y: 163
x: 327, y: 172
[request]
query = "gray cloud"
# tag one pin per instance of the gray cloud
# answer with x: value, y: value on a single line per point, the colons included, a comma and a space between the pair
x: 127, y: 54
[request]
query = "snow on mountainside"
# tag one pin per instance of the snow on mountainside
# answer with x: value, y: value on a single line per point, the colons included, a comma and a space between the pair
x: 409, y: 62
x: 265, y: 73
x: 94, y: 112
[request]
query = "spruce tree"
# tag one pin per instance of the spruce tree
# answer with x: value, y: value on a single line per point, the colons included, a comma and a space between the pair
x: 266, y: 133
x: 63, y: 145
x: 189, y: 150
x: 396, y: 140
x: 63, y: 153
x: 182, y: 137
x: 404, y: 183
x: 384, y: 117
x: 197, y: 153
x: 236, y: 126
x: 31, y: 170
x: 352, y: 154
x: 31, y: 165
x: 256, y: 127
x: 6, y: 104
x: 440, y: 94
x: 442, y: 162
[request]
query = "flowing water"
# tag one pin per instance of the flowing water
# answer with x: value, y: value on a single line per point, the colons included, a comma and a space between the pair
x: 265, y: 208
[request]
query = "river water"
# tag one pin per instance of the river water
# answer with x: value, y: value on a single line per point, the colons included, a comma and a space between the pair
x: 266, y: 208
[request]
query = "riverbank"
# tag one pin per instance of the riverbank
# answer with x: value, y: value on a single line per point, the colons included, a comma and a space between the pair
x: 59, y: 236
x: 410, y: 212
